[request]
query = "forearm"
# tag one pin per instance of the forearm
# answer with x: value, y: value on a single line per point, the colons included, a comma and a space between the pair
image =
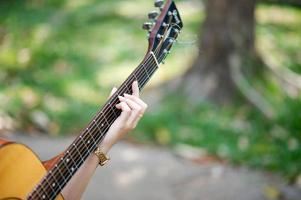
x: 132, y: 110
x: 79, y: 182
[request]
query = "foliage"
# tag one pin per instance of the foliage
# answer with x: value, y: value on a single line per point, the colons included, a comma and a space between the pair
x: 240, y: 133
x: 56, y: 57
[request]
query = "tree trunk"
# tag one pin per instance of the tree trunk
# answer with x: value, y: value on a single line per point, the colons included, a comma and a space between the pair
x: 227, y: 37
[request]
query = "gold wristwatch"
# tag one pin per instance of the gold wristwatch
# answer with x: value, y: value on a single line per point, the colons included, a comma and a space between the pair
x: 103, y: 159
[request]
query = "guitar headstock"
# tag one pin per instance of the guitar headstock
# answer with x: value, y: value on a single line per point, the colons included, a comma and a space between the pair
x: 164, y: 29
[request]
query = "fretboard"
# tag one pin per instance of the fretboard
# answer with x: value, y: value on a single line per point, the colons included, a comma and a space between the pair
x: 90, y: 137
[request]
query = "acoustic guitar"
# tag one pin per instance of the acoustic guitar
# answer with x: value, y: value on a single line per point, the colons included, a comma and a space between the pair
x: 24, y: 176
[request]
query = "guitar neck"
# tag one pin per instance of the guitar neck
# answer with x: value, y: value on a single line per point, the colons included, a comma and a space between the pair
x: 162, y: 35
x: 86, y: 143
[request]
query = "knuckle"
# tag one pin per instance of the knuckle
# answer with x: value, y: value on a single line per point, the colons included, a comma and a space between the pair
x: 127, y: 127
x: 140, y: 110
x: 136, y: 112
x: 127, y: 111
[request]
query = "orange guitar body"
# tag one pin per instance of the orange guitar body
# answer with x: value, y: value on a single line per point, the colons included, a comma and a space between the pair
x: 20, y: 170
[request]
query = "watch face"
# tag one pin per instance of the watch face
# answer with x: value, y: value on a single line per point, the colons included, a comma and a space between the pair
x: 103, y: 159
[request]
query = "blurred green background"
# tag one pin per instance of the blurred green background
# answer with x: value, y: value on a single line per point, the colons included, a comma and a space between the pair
x: 59, y: 59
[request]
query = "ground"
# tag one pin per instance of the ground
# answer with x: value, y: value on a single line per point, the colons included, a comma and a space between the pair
x: 155, y: 173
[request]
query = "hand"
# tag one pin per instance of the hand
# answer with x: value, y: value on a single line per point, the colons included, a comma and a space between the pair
x: 132, y: 108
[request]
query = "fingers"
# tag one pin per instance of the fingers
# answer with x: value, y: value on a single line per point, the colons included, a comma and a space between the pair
x: 137, y: 108
x: 126, y: 112
x: 135, y: 89
x: 138, y: 101
x: 136, y: 112
x: 132, y: 108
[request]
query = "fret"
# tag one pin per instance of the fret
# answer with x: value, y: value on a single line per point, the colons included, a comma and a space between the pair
x: 84, y: 142
x: 105, y: 120
x: 45, y: 193
x: 54, y: 184
x: 146, y: 72
x: 56, y: 168
x: 128, y: 89
x: 159, y: 46
x: 91, y: 137
x: 138, y: 77
x: 135, y: 75
x: 48, y: 185
x: 97, y: 126
x: 74, y: 162
x: 79, y: 153
x: 151, y: 67
x: 112, y: 109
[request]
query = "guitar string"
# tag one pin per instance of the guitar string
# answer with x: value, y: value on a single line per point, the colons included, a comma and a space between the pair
x: 131, y: 80
x: 55, y: 178
x: 113, y: 100
x: 91, y: 147
x: 104, y: 132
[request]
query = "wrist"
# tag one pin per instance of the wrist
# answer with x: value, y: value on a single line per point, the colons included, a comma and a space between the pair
x: 105, y: 146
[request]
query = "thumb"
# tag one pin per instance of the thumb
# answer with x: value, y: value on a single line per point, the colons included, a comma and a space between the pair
x: 113, y: 91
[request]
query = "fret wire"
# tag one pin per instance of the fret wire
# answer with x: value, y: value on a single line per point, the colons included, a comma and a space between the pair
x: 135, y: 75
x: 45, y: 193
x: 148, y: 76
x: 55, y: 180
x: 105, y: 118
x: 97, y: 126
x: 88, y: 130
x: 49, y: 185
x: 109, y: 104
x: 79, y: 153
x: 61, y: 174
x: 65, y: 166
x: 74, y: 163
x: 84, y: 144
x: 107, y: 123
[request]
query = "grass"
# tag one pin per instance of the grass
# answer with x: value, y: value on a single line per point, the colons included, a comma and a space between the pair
x: 59, y: 59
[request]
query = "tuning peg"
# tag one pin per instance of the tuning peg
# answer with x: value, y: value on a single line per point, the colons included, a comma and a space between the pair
x: 147, y: 26
x: 159, y: 3
x: 153, y: 14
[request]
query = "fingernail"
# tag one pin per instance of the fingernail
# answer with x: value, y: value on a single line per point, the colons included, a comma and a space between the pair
x: 121, y: 97
x: 127, y: 95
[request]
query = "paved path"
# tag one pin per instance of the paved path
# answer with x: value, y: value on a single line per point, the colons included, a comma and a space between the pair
x: 144, y: 172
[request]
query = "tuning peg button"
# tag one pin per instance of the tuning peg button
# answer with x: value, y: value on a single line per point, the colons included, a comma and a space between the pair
x: 147, y: 26
x: 159, y: 3
x: 153, y: 14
